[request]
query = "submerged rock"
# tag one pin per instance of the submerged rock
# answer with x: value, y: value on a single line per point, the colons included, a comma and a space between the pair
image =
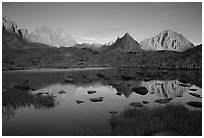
x: 145, y: 102
x: 195, y: 104
x: 62, y: 92
x: 195, y: 94
x: 140, y: 90
x: 136, y: 104
x: 47, y: 93
x: 100, y: 99
x: 91, y: 92
x: 79, y: 101
x: 162, y: 101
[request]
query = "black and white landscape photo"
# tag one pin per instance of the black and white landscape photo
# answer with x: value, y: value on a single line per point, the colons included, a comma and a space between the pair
x: 102, y: 69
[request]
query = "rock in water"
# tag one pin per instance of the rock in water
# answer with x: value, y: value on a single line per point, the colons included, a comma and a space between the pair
x: 195, y: 104
x: 136, y: 104
x: 193, y: 89
x: 167, y: 40
x: 145, y: 102
x: 91, y: 92
x: 62, y: 92
x: 162, y: 101
x: 195, y: 95
x: 140, y: 90
x: 100, y: 99
x: 79, y: 101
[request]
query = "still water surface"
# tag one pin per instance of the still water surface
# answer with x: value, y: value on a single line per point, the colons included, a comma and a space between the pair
x: 28, y: 115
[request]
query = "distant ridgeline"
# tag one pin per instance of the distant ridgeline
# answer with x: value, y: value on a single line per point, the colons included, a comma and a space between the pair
x: 57, y: 49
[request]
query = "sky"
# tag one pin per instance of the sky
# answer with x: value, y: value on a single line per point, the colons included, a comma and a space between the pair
x: 104, y: 22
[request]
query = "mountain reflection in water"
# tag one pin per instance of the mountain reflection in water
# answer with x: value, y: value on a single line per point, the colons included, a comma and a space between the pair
x: 63, y: 111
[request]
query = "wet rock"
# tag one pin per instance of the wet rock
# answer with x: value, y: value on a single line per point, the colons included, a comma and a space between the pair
x: 193, y: 89
x: 145, y: 102
x: 62, y: 92
x: 22, y: 86
x: 184, y: 85
x: 140, y: 90
x: 127, y: 77
x: 195, y: 95
x: 84, y: 76
x: 136, y: 104
x: 113, y: 112
x: 47, y: 93
x: 162, y: 101
x: 195, y: 104
x: 91, y: 92
x: 100, y: 99
x: 40, y: 93
x: 79, y: 101
x: 100, y: 75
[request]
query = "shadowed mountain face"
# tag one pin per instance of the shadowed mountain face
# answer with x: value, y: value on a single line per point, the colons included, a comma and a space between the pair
x: 167, y: 40
x: 126, y: 44
x: 43, y: 35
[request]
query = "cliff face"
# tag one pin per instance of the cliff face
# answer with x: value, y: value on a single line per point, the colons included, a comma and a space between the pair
x: 167, y: 40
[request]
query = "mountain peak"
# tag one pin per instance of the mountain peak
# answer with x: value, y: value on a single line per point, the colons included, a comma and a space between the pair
x: 126, y: 44
x: 167, y: 40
